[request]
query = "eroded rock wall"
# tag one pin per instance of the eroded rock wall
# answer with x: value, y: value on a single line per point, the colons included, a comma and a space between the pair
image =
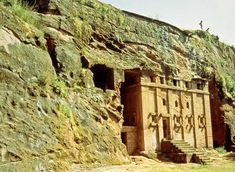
x: 51, y: 113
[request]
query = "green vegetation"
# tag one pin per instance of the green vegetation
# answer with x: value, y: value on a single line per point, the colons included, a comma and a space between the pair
x: 89, y: 3
x: 230, y: 120
x: 228, y: 85
x: 65, y: 110
x: 22, y: 10
x: 60, y: 88
x: 206, y: 36
x: 221, y: 150
x: 82, y: 29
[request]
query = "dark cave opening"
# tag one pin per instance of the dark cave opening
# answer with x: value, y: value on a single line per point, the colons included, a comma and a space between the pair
x: 51, y: 47
x: 103, y: 77
x: 43, y: 6
x: 40, y: 5
x: 85, y: 62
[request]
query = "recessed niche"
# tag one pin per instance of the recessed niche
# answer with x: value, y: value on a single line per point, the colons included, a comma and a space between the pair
x: 103, y: 77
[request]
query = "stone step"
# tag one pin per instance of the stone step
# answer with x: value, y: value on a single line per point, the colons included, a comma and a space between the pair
x: 185, y: 146
x: 204, y: 157
x: 200, y: 153
x: 182, y: 147
x: 186, y: 151
x: 178, y: 141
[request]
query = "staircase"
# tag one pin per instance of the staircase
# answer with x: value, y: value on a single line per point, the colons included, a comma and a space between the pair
x: 182, y: 152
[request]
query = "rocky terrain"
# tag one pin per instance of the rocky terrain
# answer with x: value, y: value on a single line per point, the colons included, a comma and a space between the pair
x: 51, y: 113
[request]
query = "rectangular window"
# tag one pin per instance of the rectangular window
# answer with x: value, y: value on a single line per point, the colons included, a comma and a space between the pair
x: 162, y: 80
x: 176, y: 82
x: 153, y: 79
x: 187, y: 85
x: 200, y: 86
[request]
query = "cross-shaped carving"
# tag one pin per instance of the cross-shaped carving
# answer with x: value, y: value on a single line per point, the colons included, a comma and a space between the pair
x: 155, y: 118
x: 189, y: 120
x: 202, y: 121
x: 178, y: 122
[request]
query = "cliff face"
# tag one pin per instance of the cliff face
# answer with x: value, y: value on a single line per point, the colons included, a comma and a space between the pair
x: 51, y: 114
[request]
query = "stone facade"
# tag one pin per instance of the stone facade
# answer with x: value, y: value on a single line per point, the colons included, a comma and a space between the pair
x: 156, y: 109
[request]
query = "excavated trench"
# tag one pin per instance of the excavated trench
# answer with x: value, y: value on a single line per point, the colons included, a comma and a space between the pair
x: 220, y: 130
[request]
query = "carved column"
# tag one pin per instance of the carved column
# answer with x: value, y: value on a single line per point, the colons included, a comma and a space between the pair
x: 207, y: 110
x: 181, y: 113
x: 194, y: 119
x: 157, y: 127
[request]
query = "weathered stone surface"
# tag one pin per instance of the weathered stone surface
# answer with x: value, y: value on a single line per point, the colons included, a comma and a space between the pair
x: 51, y: 113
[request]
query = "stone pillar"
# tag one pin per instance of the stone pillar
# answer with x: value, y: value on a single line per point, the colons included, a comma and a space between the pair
x: 158, y: 147
x: 169, y: 112
x: 148, y: 108
x: 207, y: 110
x: 195, y: 122
x: 181, y: 113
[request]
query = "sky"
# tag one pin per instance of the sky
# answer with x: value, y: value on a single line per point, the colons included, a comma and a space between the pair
x: 217, y: 15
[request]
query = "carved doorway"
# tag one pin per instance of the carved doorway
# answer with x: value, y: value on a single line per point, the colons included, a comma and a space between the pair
x: 166, y: 128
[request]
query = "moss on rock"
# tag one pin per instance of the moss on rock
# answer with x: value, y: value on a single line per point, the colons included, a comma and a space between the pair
x: 51, y: 115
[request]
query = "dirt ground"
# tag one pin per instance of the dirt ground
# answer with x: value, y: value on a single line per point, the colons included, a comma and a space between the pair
x: 220, y: 163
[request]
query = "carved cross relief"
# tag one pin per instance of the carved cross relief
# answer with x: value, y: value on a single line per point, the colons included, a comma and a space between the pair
x: 155, y: 118
x: 189, y: 122
x: 202, y: 121
x: 178, y: 122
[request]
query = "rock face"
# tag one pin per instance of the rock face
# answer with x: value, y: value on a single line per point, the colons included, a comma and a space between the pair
x: 51, y: 112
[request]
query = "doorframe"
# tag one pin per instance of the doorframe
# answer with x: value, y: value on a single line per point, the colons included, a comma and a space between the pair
x: 167, y: 119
